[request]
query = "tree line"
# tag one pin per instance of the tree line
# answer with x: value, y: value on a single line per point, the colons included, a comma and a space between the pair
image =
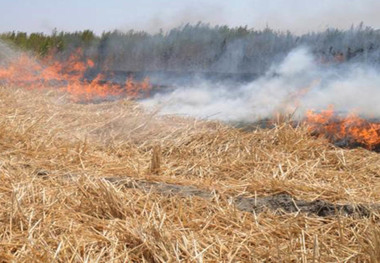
x: 201, y: 47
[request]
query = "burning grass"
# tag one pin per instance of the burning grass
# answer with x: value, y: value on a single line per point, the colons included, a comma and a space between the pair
x: 56, y: 204
x: 345, y: 131
x: 69, y: 75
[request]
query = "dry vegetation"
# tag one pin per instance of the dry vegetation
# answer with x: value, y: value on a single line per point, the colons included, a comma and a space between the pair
x: 56, y: 205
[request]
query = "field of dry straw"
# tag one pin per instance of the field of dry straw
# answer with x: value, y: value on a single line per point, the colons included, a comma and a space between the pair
x: 77, y: 185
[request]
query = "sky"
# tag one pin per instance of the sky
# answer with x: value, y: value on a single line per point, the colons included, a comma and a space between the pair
x: 297, y: 16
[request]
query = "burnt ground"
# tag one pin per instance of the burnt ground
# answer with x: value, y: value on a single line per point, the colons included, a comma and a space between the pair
x: 286, y: 203
x: 280, y: 203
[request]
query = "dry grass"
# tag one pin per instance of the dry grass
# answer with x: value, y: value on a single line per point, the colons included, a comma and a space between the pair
x: 55, y: 206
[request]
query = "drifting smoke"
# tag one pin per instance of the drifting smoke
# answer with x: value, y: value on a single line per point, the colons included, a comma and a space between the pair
x: 6, y: 53
x: 299, y: 83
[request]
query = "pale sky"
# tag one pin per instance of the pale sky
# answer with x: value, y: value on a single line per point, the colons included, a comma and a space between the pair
x: 298, y: 16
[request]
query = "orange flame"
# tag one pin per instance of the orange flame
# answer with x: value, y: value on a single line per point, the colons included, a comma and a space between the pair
x: 350, y: 127
x: 68, y: 76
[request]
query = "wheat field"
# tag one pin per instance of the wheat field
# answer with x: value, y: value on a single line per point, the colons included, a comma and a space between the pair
x: 111, y: 182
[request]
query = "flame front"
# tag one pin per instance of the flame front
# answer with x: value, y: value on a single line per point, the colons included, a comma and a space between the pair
x: 68, y: 76
x: 351, y: 127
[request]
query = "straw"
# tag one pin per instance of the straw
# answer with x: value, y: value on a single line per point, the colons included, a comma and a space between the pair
x: 56, y: 205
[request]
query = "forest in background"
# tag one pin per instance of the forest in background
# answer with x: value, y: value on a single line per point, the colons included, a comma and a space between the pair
x: 201, y: 47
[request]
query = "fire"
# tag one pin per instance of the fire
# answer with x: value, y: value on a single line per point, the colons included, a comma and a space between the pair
x: 68, y: 76
x: 350, y: 128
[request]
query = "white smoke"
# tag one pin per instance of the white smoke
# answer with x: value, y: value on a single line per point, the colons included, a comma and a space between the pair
x: 354, y: 89
x: 297, y: 84
x: 6, y: 53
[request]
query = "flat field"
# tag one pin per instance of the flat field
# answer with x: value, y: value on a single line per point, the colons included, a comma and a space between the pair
x: 110, y: 182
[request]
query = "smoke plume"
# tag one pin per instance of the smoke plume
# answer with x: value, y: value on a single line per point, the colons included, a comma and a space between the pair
x: 299, y: 83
